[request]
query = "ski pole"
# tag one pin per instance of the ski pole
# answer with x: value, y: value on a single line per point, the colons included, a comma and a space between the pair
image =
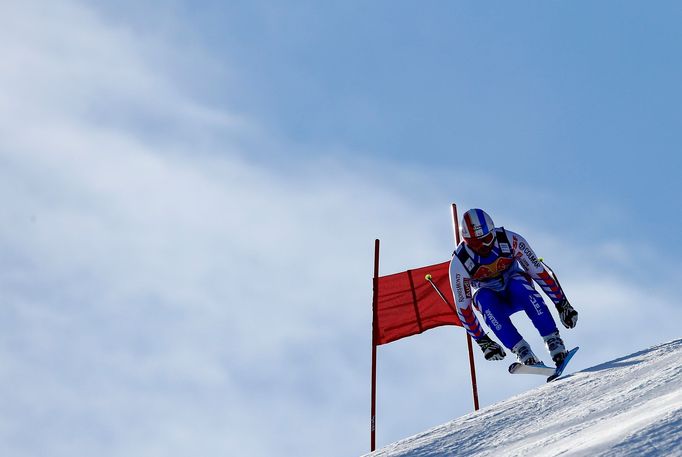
x: 472, y: 367
x: 429, y: 278
x: 551, y: 272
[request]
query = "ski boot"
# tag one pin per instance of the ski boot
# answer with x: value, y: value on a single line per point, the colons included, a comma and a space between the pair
x: 556, y: 348
x: 524, y: 353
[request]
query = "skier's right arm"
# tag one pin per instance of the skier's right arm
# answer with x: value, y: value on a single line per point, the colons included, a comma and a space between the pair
x: 461, y: 290
x: 460, y: 282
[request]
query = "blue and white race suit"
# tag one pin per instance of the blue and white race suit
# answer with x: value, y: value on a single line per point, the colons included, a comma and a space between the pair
x: 502, y: 285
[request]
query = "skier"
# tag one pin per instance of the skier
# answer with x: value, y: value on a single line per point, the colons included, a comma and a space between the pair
x: 500, y: 264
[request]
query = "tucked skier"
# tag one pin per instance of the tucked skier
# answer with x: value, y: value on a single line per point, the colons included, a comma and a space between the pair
x: 501, y: 267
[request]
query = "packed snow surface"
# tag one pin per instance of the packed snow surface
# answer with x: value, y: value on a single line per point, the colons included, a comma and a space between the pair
x: 630, y: 406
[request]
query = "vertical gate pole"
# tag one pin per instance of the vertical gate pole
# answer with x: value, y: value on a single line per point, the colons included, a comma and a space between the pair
x: 375, y: 295
x: 472, y: 366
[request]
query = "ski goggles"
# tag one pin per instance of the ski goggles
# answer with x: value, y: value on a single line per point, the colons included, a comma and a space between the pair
x: 485, y: 241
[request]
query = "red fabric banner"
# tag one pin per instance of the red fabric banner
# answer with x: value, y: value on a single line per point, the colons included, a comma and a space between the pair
x: 407, y: 304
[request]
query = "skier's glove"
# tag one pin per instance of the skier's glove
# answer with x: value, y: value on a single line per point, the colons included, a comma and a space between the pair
x: 569, y: 316
x: 491, y: 350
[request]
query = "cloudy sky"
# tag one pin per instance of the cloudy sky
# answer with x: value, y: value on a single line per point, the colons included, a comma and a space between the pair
x: 190, y: 193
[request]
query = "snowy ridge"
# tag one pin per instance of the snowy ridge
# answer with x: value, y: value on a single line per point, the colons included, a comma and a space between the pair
x: 631, y: 406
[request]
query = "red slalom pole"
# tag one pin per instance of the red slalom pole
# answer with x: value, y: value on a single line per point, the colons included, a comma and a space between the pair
x: 375, y: 295
x: 472, y: 365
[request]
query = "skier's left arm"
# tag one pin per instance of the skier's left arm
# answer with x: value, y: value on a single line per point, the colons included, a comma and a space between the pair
x: 548, y: 282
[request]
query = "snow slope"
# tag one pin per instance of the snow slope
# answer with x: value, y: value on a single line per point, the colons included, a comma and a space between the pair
x: 630, y: 406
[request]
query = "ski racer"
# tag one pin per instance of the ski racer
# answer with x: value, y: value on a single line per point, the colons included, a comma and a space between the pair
x: 500, y: 267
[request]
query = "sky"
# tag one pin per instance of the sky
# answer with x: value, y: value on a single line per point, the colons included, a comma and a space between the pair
x: 190, y: 194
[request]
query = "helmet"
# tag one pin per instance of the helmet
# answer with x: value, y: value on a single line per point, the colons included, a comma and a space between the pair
x: 478, y: 230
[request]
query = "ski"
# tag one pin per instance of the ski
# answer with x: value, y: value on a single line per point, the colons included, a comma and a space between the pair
x: 538, y: 368
x: 560, y: 369
x: 542, y: 369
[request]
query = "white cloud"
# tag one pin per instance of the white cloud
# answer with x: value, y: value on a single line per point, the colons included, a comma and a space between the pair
x: 162, y: 298
x: 162, y: 295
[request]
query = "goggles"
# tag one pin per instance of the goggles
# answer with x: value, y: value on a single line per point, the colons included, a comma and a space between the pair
x: 485, y: 241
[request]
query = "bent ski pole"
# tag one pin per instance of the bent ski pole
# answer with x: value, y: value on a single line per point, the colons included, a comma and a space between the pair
x: 551, y: 272
x: 429, y: 278
x: 472, y: 367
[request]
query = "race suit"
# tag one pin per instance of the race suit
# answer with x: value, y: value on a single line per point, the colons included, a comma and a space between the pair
x: 502, y: 284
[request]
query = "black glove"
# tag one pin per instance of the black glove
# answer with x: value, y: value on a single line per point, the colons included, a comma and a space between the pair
x: 491, y: 350
x: 569, y: 316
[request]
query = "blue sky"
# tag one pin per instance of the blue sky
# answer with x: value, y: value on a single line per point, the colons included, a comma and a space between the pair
x: 190, y: 194
x: 566, y: 90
